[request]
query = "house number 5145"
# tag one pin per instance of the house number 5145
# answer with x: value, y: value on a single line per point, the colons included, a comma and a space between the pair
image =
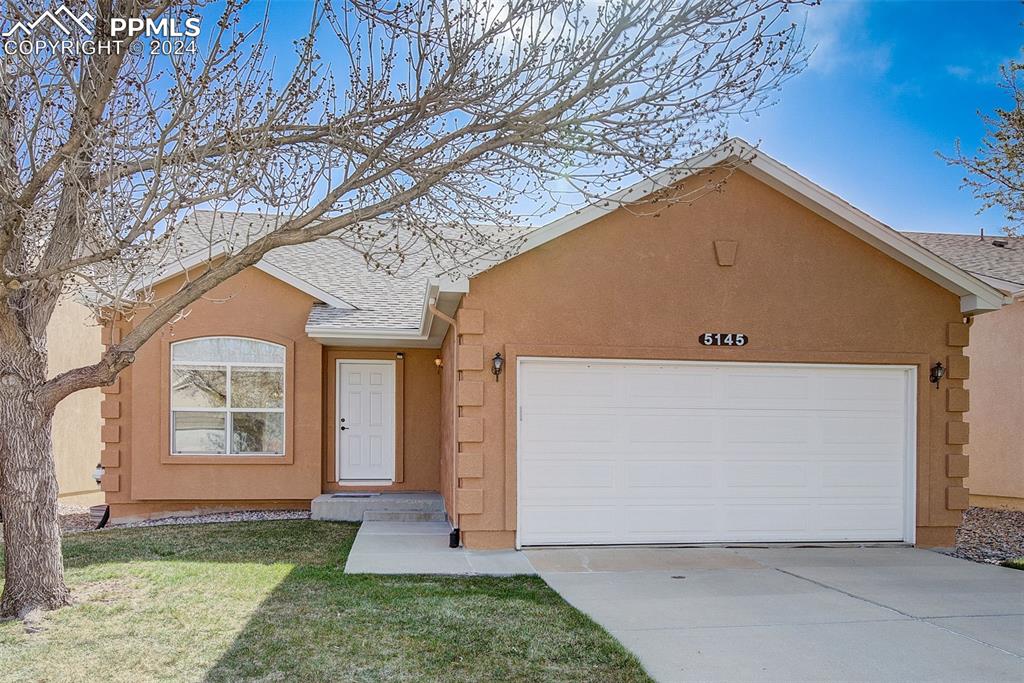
x: 723, y: 339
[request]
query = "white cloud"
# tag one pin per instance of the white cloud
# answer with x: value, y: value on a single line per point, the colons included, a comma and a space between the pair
x: 837, y: 32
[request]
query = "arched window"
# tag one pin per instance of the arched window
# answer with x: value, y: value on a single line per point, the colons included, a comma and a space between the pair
x: 227, y: 397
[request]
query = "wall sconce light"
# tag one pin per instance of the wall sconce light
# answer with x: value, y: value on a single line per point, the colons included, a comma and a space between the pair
x: 97, y: 474
x: 438, y: 363
x: 938, y: 372
x: 496, y: 365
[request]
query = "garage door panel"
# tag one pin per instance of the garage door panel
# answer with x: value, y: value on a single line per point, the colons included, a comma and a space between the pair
x: 782, y: 388
x: 863, y: 430
x: 768, y: 429
x: 667, y: 428
x: 711, y: 452
x: 670, y: 474
x: 666, y: 523
x: 569, y: 474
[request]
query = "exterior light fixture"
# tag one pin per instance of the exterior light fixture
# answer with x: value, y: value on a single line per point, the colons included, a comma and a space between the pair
x: 496, y: 365
x: 97, y: 474
x: 938, y: 372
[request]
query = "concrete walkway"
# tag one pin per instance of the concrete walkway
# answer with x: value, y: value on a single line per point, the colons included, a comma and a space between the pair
x: 388, y: 547
x: 840, y: 614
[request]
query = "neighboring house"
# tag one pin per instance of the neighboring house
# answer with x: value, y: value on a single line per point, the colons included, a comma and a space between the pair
x: 751, y: 366
x: 997, y: 366
x: 74, y: 340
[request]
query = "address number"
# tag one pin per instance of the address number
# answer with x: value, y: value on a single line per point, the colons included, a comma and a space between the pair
x: 723, y: 339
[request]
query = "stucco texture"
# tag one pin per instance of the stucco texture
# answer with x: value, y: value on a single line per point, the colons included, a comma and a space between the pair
x: 996, y: 415
x: 73, y: 340
x: 143, y: 478
x: 645, y: 286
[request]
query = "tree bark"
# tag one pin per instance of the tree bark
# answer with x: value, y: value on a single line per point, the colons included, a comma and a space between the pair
x: 34, y: 567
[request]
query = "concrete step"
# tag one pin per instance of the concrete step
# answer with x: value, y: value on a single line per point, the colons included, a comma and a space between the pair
x: 352, y: 507
x: 403, y: 516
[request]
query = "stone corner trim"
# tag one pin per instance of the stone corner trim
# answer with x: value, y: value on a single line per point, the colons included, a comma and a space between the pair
x: 470, y: 465
x: 470, y: 321
x: 469, y: 501
x: 471, y: 429
x: 470, y: 393
x: 110, y: 483
x: 958, y: 400
x: 957, y: 498
x: 957, y: 465
x: 958, y: 433
x: 958, y: 367
x: 957, y: 334
x: 471, y: 357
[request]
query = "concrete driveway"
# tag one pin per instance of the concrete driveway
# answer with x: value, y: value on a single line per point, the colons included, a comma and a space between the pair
x: 842, y: 614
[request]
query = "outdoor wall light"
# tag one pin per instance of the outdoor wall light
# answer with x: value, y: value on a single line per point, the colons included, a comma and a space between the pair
x: 496, y: 364
x: 97, y: 474
x: 938, y: 372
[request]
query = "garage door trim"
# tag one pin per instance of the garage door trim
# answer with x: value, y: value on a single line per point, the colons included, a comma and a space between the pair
x: 910, y: 440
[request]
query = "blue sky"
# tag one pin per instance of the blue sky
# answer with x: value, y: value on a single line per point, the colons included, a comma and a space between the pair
x: 889, y: 84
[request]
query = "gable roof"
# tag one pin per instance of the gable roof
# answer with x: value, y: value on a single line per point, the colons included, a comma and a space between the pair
x: 975, y: 295
x: 357, y: 306
x: 996, y: 260
x: 354, y: 303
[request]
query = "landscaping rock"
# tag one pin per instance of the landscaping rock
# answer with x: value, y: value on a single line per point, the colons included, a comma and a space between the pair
x: 992, y: 536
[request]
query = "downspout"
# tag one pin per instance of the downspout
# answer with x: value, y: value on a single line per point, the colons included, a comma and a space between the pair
x: 453, y: 539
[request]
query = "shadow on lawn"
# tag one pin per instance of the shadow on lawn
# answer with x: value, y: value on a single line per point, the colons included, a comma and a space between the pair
x: 316, y: 623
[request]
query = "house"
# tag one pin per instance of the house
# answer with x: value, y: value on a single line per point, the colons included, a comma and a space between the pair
x: 997, y: 366
x: 74, y: 340
x: 756, y: 365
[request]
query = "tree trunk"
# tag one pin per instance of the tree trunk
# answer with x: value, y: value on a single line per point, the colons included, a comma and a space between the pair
x: 34, y: 567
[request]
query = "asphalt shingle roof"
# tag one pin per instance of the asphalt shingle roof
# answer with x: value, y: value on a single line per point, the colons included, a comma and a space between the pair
x: 978, y: 256
x: 379, y: 300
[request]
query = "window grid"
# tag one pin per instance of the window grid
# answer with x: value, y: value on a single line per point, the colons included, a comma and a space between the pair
x: 228, y: 410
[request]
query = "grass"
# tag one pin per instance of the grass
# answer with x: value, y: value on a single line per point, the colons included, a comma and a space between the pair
x: 268, y: 601
x: 1017, y: 563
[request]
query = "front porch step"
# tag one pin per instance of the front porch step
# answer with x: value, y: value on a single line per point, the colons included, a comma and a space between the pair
x: 353, y: 507
x: 403, y: 516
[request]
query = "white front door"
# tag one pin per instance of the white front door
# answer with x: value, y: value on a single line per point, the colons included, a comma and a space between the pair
x: 700, y: 452
x: 366, y: 421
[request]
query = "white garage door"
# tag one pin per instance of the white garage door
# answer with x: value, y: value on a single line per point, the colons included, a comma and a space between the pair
x: 696, y: 452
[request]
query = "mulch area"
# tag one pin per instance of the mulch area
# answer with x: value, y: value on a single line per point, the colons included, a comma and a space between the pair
x: 990, y: 535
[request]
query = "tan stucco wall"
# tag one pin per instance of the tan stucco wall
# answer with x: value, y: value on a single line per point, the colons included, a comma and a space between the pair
x: 143, y: 478
x: 997, y: 408
x: 73, y: 340
x: 628, y: 286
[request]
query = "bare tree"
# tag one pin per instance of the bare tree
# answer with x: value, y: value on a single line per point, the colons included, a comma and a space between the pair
x: 995, y: 174
x: 397, y: 129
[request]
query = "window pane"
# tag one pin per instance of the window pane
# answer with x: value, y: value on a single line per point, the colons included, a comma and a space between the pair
x: 257, y: 433
x: 198, y: 386
x: 257, y: 387
x: 227, y: 350
x: 198, y: 432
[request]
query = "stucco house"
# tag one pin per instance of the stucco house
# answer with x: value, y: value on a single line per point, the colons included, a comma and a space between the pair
x: 757, y: 365
x: 997, y: 366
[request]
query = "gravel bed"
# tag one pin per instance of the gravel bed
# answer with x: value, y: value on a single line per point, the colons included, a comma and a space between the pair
x: 220, y: 517
x: 990, y: 535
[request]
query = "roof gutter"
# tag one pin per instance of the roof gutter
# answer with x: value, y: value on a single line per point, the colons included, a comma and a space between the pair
x: 453, y: 541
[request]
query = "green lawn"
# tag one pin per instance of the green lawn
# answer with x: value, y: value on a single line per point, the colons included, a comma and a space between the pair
x: 1017, y: 563
x: 268, y: 601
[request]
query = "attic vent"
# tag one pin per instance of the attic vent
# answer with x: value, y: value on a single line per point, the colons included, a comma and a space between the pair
x: 999, y: 243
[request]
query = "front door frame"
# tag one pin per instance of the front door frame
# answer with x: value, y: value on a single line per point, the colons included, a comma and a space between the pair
x: 395, y: 417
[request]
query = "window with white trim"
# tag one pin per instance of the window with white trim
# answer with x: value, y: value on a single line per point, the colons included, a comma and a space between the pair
x: 227, y: 397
